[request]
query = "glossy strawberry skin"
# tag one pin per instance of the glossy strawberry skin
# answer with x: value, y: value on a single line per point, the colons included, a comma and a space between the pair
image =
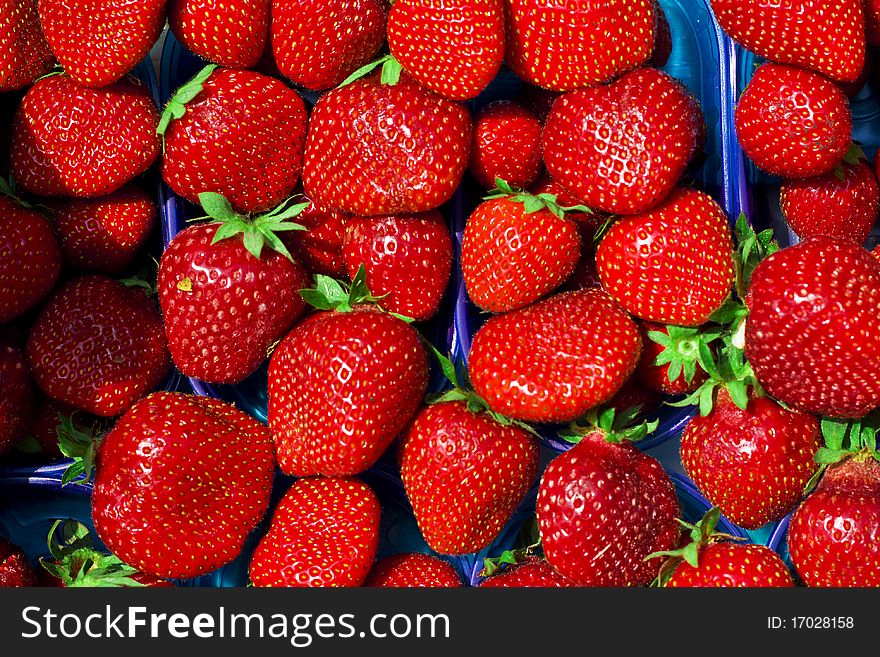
x: 464, y: 474
x: 98, y: 346
x: 99, y: 41
x: 532, y: 573
x: 69, y: 140
x: 729, y: 565
x: 24, y: 53
x: 834, y: 536
x: 622, y: 147
x: 407, y: 257
x: 16, y: 396
x: 555, y: 360
x: 830, y: 207
x: 242, y: 136
x: 181, y: 481
x: 656, y: 377
x: 823, y: 35
x: 233, y: 33
x: 15, y: 570
x: 452, y: 48
x: 30, y: 259
x: 506, y: 145
x: 318, y: 43
x: 793, y: 123
x: 662, y: 38
x: 413, y: 571
x: 544, y: 42
x: 324, y: 533
x: 753, y: 463
x: 806, y: 305
x: 672, y: 265
x: 603, y: 508
x: 353, y: 166
x: 342, y: 386
x: 319, y: 247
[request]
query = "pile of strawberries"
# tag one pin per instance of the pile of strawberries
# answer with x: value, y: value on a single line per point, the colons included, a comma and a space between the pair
x: 608, y: 282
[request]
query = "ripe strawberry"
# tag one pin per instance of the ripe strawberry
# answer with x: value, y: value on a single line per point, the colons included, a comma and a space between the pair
x: 15, y: 570
x: 413, y: 571
x: 99, y: 41
x: 24, y: 53
x: 537, y: 100
x: 30, y: 259
x: 812, y: 336
x: 793, y: 123
x: 407, y: 257
x: 233, y: 34
x: 872, y: 21
x: 225, y: 299
x: 623, y: 147
x: 556, y: 359
x: 662, y: 38
x: 452, y: 48
x: 318, y: 43
x: 352, y: 165
x: 16, y: 396
x: 319, y: 247
x: 545, y: 43
x: 633, y: 394
x: 823, y: 35
x: 324, y: 534
x: 668, y: 363
x: 69, y: 140
x: 98, y: 345
x: 506, y: 145
x: 852, y: 89
x: 235, y: 133
x: 531, y: 573
x: 103, y: 235
x: 49, y: 417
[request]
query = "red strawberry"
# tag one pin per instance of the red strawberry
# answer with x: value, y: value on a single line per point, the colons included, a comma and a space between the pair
x: 465, y: 473
x: 30, y: 259
x: 235, y: 133
x: 872, y: 21
x: 319, y: 246
x: 24, y: 53
x: 664, y: 364
x: 103, y: 235
x: 324, y: 534
x: 69, y: 140
x: 353, y: 165
x: 15, y: 570
x: 633, y: 394
x: 531, y: 573
x: 622, y: 147
x: 602, y: 509
x: 16, y: 396
x: 812, y: 336
x: 99, y: 41
x: 824, y: 35
x: 49, y: 417
x: 506, y: 145
x: 413, y: 571
x: 545, y: 42
x: 98, y: 345
x: 229, y: 33
x: 453, y: 48
x: 556, y: 359
x: 407, y: 257
x: 793, y: 123
x: 852, y: 89
x: 536, y: 100
x: 662, y: 38
x: 225, y: 299
x: 318, y: 43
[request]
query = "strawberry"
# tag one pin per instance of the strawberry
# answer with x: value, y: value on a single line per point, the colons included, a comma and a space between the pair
x: 545, y: 42
x: 841, y: 204
x: 24, y: 53
x: 69, y: 140
x: 536, y: 100
x: 852, y: 89
x: 668, y: 363
x: 826, y: 36
x: 811, y: 335
x: 531, y: 573
x: 506, y: 145
x: 793, y: 123
x: 872, y: 21
x: 235, y: 133
x: 408, y: 259
x: 233, y: 34
x: 30, y: 260
x: 99, y: 41
x: 16, y: 396
x: 225, y: 299
x: 319, y: 247
x: 413, y: 571
x: 15, y: 570
x: 181, y: 481
x: 453, y: 48
x: 98, y: 345
x: 662, y: 38
x: 556, y: 359
x: 352, y: 165
x: 103, y: 235
x: 324, y: 533
x: 50, y: 417
x: 318, y: 43
x: 343, y: 383
x: 622, y: 147
x: 672, y: 265
x: 633, y: 394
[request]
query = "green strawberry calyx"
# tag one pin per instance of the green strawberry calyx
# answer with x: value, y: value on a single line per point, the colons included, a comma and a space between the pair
x: 617, y: 427
x: 532, y: 202
x: 391, y: 70
x: 853, y: 156
x: 331, y: 294
x: 684, y: 350
x: 527, y: 545
x: 9, y: 189
x: 846, y: 439
x: 176, y: 107
x: 146, y: 279
x: 81, y: 446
